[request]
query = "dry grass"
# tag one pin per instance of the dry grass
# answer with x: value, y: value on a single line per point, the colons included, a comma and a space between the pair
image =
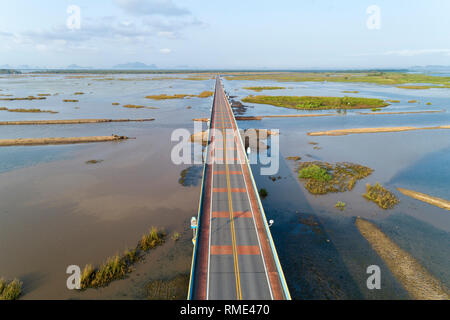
x: 343, y: 132
x: 27, y: 98
x: 204, y: 94
x: 10, y: 290
x: 323, y: 177
x: 70, y: 100
x: 118, y: 266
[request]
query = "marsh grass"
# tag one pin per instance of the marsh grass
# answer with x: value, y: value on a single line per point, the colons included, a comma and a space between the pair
x: 116, y: 104
x: 27, y: 98
x: 381, y: 196
x: 317, y: 103
x: 263, y: 193
x: 176, y: 236
x: 323, y: 177
x: 294, y: 158
x: 259, y: 89
x: 10, y: 290
x: 412, y: 101
x: 384, y: 78
x: 118, y: 266
x: 78, y: 93
x: 70, y: 100
x: 393, y: 101
x: 93, y: 161
x: 204, y: 94
x: 340, y: 205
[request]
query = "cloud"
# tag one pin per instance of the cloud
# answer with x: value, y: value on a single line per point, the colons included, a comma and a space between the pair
x: 151, y: 7
x: 165, y: 50
x: 417, y: 52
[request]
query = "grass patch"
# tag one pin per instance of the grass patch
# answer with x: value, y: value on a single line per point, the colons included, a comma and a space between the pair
x: 381, y: 196
x: 204, y: 94
x: 263, y: 193
x: 317, y: 103
x: 10, y: 290
x: 118, y: 266
x: 93, y: 161
x: 323, y: 177
x: 376, y: 109
x: 27, y: 110
x: 429, y: 103
x: 172, y: 289
x: 259, y: 89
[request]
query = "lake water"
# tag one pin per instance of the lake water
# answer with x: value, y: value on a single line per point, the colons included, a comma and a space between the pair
x: 55, y: 210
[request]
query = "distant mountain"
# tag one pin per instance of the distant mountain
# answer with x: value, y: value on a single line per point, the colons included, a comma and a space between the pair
x: 135, y: 65
x: 75, y: 66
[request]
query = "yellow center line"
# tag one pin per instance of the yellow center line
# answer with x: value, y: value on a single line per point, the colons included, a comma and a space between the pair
x: 230, y: 207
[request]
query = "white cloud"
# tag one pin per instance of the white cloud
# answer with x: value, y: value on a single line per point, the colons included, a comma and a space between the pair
x: 417, y: 52
x: 165, y: 50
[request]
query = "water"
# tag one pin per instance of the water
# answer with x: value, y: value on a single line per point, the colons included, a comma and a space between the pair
x: 55, y: 210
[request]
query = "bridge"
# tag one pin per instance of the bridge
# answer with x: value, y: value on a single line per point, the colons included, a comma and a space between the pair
x: 234, y: 255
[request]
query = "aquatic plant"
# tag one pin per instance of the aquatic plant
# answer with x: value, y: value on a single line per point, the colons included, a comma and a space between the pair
x: 70, y: 100
x: 263, y: 193
x: 428, y: 103
x: 381, y: 196
x: 323, y: 177
x: 27, y: 110
x: 10, y: 290
x: 412, y: 101
x: 93, y: 161
x: 340, y: 205
x: 116, y: 104
x: 259, y: 89
x: 294, y: 158
x: 118, y: 266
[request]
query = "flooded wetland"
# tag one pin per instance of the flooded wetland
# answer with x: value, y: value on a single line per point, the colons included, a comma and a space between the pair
x: 357, y: 181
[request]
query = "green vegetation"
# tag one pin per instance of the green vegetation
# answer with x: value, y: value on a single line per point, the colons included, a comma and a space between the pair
x: 10, y: 290
x: 93, y: 161
x: 381, y: 196
x: 323, y: 177
x: 376, y: 109
x: 204, y: 94
x: 259, y: 89
x: 117, y: 267
x: 263, y: 193
x: 314, y: 172
x: 429, y: 103
x: 340, y: 205
x: 384, y: 78
x: 78, y: 93
x: 349, y: 91
x: 317, y: 103
x: 70, y: 100
x: 27, y: 110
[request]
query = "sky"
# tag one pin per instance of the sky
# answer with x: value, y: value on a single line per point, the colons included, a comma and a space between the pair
x: 231, y: 34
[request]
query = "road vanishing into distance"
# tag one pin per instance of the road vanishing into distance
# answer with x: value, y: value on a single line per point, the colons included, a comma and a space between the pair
x: 234, y: 254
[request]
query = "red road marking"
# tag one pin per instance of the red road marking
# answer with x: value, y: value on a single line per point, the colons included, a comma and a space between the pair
x: 241, y: 250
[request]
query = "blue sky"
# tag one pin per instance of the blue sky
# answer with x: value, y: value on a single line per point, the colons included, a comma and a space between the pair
x: 226, y: 34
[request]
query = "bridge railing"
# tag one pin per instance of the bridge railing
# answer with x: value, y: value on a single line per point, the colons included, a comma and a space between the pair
x: 200, y: 206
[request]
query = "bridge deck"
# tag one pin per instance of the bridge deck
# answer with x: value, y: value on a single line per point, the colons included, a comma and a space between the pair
x: 234, y: 257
